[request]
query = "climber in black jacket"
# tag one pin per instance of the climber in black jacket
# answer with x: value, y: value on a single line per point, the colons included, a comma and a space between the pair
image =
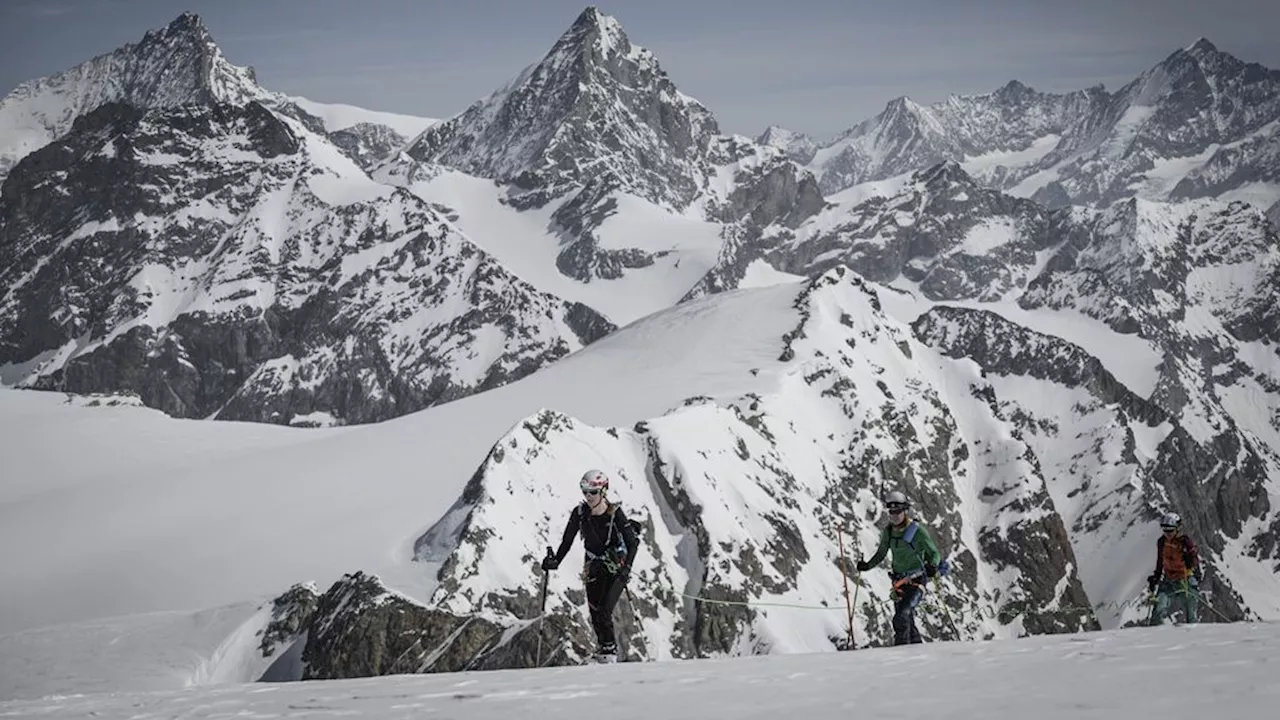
x: 610, y: 544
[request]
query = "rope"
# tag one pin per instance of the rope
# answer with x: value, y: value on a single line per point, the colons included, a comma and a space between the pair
x: 1111, y: 605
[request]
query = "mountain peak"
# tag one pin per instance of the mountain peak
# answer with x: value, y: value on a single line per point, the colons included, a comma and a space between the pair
x: 1014, y: 88
x: 798, y: 146
x: 591, y: 17
x: 178, y: 64
x: 902, y: 102
x: 187, y: 20
x: 1202, y: 46
x: 947, y: 172
x: 187, y: 27
x: 595, y: 109
x: 594, y: 30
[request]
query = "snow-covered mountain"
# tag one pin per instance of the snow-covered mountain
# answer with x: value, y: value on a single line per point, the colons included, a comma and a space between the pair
x: 238, y: 266
x: 1200, y: 123
x: 172, y: 66
x: 1043, y: 380
x: 595, y: 109
x: 627, y: 181
x: 177, y: 65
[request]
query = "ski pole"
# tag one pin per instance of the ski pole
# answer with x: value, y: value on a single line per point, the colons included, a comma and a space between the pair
x: 844, y: 572
x: 937, y: 586
x: 542, y: 610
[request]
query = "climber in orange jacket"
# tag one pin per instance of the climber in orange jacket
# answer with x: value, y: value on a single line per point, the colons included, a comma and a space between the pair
x: 1177, y: 574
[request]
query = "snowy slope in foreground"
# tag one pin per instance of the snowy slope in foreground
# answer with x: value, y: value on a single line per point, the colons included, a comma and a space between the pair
x: 135, y: 653
x: 1170, y: 673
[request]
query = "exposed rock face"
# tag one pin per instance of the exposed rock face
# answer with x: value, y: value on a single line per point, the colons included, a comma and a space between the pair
x: 1140, y: 457
x: 368, y: 143
x: 595, y: 109
x: 955, y: 238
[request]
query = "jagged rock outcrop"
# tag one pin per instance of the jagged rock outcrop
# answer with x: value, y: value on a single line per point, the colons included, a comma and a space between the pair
x: 368, y: 143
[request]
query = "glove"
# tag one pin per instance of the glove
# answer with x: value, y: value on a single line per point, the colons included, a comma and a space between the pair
x: 624, y: 574
x: 550, y: 563
x: 1152, y: 581
x: 863, y: 566
x: 930, y: 570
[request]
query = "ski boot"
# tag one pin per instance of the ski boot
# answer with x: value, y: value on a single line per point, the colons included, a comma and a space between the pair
x: 607, y: 654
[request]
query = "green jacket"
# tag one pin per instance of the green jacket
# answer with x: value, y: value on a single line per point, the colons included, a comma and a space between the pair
x: 906, y: 559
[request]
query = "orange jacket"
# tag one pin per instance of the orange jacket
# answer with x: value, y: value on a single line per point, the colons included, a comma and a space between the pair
x: 1176, y: 560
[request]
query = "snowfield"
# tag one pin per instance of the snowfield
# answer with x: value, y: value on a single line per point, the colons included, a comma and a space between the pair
x: 1173, y: 673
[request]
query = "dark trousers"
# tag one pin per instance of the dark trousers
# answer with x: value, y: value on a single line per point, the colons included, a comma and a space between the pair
x: 603, y: 590
x: 904, y: 615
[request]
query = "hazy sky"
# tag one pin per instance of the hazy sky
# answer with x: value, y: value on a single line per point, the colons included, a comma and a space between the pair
x: 816, y: 66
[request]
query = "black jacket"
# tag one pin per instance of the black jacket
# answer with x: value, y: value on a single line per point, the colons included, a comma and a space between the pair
x: 601, y: 533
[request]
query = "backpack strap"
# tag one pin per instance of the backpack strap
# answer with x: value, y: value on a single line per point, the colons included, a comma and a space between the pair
x: 613, y: 524
x: 909, y: 535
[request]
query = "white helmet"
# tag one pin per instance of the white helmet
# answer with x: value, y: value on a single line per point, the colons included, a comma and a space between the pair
x: 1170, y: 520
x: 594, y: 480
x: 896, y: 499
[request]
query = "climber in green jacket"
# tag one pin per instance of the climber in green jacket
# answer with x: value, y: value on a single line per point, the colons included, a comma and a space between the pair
x: 915, y: 558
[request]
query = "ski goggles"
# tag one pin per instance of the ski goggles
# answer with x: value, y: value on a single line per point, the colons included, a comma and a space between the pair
x: 592, y: 492
x: 895, y: 508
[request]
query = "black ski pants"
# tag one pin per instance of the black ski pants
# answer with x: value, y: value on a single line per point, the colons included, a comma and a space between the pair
x: 603, y: 590
x: 905, y: 601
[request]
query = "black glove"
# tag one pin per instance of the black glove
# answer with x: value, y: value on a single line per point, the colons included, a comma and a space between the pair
x: 1152, y: 581
x: 863, y: 566
x: 624, y: 574
x: 550, y: 562
x: 930, y: 570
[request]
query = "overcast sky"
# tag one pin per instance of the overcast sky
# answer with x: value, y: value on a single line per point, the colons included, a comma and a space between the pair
x: 817, y: 66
